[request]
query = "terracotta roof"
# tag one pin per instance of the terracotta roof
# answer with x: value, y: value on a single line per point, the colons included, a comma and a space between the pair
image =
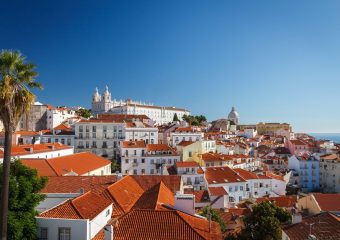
x: 73, y: 184
x: 329, y: 157
x: 328, y: 201
x: 281, y: 201
x: 122, y: 117
x: 298, y: 142
x: 154, y: 197
x: 214, y: 157
x: 217, y: 175
x: 201, y: 196
x: 322, y: 226
x: 62, y: 126
x: 27, y: 133
x: 158, y: 147
x: 19, y: 150
x: 187, y: 164
x: 185, y: 143
x: 79, y: 163
x: 41, y: 165
x: 217, y: 191
x: 230, y: 216
x: 86, y: 206
x: 163, y: 224
x: 246, y: 174
x: 148, y: 181
x: 133, y: 144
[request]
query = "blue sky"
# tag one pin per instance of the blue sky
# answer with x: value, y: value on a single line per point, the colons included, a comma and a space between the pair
x: 274, y: 60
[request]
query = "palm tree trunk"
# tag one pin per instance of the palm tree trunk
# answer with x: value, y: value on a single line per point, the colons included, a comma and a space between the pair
x: 5, y: 183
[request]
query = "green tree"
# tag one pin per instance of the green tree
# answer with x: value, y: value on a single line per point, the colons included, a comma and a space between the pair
x: 17, y: 78
x: 115, y: 165
x: 24, y: 187
x: 264, y: 222
x: 83, y: 112
x: 175, y: 119
x: 215, y: 216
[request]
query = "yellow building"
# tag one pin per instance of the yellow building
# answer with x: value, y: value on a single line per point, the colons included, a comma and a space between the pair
x: 273, y: 128
x: 189, y: 150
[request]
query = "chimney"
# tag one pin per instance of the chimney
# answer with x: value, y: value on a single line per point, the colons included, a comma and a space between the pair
x: 185, y: 203
x: 296, y: 218
x: 108, y: 232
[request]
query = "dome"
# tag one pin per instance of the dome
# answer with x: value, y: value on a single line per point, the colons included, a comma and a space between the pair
x: 233, y: 114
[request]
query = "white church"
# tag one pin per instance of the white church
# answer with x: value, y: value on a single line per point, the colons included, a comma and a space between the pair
x: 160, y: 115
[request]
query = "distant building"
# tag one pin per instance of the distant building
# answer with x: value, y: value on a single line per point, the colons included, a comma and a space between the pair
x: 160, y: 115
x: 330, y: 173
x: 234, y: 116
x: 273, y: 129
x: 307, y: 169
x: 35, y: 119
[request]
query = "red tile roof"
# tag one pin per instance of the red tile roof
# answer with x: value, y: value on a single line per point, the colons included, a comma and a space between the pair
x: 158, y: 147
x: 41, y: 165
x: 128, y: 191
x: 322, y: 226
x: 201, y: 196
x: 328, y: 201
x: 73, y: 184
x: 187, y: 164
x: 154, y: 197
x: 217, y: 175
x: 185, y: 143
x: 281, y: 201
x: 133, y: 144
x: 19, y: 150
x: 62, y: 127
x: 86, y: 206
x: 217, y: 191
x: 164, y: 224
x: 79, y: 163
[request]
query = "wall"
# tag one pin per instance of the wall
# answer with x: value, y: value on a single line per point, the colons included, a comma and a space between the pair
x: 79, y: 227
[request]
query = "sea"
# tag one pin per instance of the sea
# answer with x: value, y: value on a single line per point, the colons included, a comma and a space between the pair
x: 335, y: 137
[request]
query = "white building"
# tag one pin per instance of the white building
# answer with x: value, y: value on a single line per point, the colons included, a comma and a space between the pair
x: 330, y: 173
x: 56, y: 116
x: 241, y: 184
x: 44, y: 150
x: 103, y: 136
x: 192, y: 175
x: 62, y: 133
x: 161, y: 115
x: 82, y: 218
x: 138, y: 158
x: 191, y: 134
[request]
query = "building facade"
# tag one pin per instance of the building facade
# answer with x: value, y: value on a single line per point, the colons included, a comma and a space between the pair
x: 160, y: 115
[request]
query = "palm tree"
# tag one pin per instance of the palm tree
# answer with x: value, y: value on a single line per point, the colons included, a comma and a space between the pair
x: 17, y: 78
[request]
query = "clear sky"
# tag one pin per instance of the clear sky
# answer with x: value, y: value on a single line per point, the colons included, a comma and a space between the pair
x: 274, y: 60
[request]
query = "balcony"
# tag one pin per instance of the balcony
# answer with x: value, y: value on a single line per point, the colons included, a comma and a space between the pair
x: 80, y: 147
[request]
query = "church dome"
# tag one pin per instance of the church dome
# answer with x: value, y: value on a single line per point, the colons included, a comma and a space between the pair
x: 234, y: 116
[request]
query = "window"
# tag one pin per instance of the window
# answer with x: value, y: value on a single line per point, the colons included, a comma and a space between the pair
x: 143, y: 160
x: 64, y: 233
x: 94, y: 128
x: 126, y: 161
x: 87, y: 128
x: 80, y: 128
x: 152, y: 171
x: 241, y: 188
x: 230, y: 189
x: 107, y: 213
x: 134, y: 160
x: 43, y: 233
x: 94, y: 135
x: 143, y: 171
x: 135, y: 152
x: 135, y: 172
x: 190, y: 154
x: 126, y: 171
